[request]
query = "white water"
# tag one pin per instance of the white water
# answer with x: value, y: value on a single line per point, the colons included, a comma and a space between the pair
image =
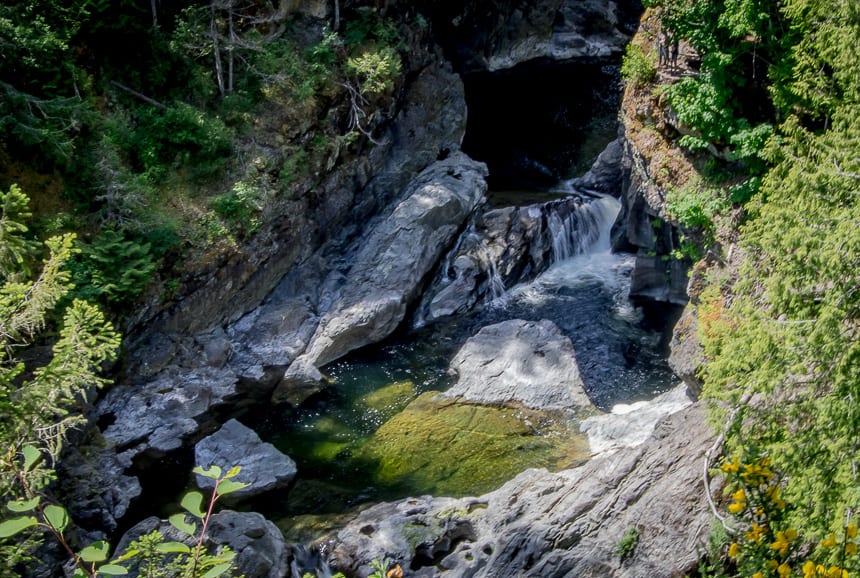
x: 593, y: 261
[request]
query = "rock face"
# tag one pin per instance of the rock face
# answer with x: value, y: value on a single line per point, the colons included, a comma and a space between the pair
x: 397, y: 255
x: 502, y: 33
x: 518, y: 361
x: 370, y: 300
x: 264, y: 468
x: 506, y: 246
x: 567, y: 524
x: 657, y: 274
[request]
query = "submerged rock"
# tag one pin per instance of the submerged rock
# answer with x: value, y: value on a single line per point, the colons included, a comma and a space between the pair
x: 446, y: 446
x: 561, y: 524
x: 526, y: 362
x: 264, y: 468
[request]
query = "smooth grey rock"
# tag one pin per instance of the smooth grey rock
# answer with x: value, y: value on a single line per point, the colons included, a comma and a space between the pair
x: 261, y: 551
x: 629, y: 425
x: 605, y: 175
x: 566, y: 524
x: 518, y: 361
x: 397, y: 255
x: 264, y: 467
x: 300, y: 381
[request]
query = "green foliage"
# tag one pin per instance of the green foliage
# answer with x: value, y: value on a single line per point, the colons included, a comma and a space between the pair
x: 638, y: 67
x: 120, y: 266
x: 376, y: 70
x: 181, y: 136
x: 36, y: 402
x: 765, y: 542
x: 15, y: 247
x: 790, y: 333
x: 696, y: 205
x: 150, y: 555
x: 628, y: 542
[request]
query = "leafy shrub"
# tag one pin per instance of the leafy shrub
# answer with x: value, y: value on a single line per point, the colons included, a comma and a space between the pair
x: 181, y: 136
x: 376, y: 69
x: 695, y: 205
x: 628, y: 542
x: 638, y: 67
x: 765, y: 543
x: 121, y: 266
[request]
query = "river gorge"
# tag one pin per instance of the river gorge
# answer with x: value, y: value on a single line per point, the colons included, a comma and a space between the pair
x: 457, y: 357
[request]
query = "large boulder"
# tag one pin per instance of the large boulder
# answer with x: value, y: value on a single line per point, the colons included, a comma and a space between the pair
x: 565, y: 524
x: 264, y: 468
x: 158, y: 416
x: 371, y: 300
x: 261, y: 551
x: 524, y: 362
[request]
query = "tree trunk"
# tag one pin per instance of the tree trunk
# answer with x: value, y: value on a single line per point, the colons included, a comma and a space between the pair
x: 231, y: 36
x: 153, y: 5
x: 216, y: 51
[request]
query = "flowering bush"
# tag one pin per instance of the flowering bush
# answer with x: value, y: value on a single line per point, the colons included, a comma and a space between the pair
x: 765, y: 544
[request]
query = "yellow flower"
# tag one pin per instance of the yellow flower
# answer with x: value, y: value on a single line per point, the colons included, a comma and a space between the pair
x: 784, y: 570
x: 758, y: 575
x: 850, y: 549
x: 829, y: 541
x: 836, y: 572
x: 739, y: 496
x: 782, y: 541
x: 851, y: 531
x: 733, y: 550
x: 756, y: 532
x: 737, y: 507
x: 809, y: 569
x: 731, y: 467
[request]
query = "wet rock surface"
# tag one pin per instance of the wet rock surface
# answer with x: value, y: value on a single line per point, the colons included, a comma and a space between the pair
x: 507, y: 246
x: 564, y: 524
x: 261, y: 551
x: 263, y: 467
x: 529, y: 363
x: 629, y: 425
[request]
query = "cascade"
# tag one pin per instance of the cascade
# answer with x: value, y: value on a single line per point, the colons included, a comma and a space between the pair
x: 582, y: 230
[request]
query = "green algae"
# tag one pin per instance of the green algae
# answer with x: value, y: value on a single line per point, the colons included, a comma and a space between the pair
x: 389, y: 399
x: 448, y: 447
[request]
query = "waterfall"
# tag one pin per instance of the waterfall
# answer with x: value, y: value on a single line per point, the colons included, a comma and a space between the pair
x: 490, y: 268
x: 585, y: 229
